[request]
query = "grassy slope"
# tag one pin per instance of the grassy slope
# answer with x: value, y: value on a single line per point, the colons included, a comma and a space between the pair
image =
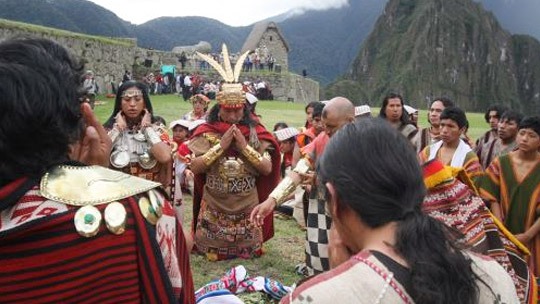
x: 285, y: 250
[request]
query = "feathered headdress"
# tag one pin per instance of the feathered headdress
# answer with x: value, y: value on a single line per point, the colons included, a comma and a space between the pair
x: 231, y: 94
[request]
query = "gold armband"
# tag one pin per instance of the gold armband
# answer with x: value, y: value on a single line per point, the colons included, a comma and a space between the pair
x: 285, y: 188
x: 212, y: 155
x: 302, y: 167
x: 254, y: 157
x: 151, y: 136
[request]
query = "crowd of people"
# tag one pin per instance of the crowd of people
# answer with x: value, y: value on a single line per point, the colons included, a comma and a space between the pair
x: 189, y: 84
x: 393, y: 213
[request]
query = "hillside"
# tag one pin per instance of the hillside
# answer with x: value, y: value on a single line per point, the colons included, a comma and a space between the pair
x: 325, y: 43
x: 517, y: 16
x: 167, y: 32
x: 72, y: 15
x: 428, y: 48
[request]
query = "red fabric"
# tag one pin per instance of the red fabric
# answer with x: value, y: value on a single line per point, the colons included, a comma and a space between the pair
x: 265, y: 184
x: 47, y: 261
x: 316, y: 147
x: 9, y: 188
x: 288, y: 159
x: 432, y: 167
x: 183, y: 149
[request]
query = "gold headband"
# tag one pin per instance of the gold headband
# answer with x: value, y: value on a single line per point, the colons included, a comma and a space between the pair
x: 130, y: 93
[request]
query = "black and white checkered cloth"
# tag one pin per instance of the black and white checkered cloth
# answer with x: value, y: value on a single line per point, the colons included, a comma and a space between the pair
x: 318, y: 228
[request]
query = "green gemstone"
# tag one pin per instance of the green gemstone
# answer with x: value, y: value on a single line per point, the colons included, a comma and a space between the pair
x: 151, y: 209
x: 88, y: 218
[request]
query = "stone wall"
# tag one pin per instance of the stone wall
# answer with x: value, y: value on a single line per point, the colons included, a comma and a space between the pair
x: 109, y: 58
x: 106, y: 57
x: 271, y: 39
x: 289, y: 86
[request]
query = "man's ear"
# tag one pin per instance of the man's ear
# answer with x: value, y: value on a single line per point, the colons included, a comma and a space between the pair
x: 332, y: 201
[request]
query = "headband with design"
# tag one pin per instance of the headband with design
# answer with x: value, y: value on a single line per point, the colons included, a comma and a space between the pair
x: 231, y: 94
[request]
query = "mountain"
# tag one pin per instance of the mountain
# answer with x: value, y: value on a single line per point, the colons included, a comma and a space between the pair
x: 325, y: 42
x: 428, y: 48
x: 517, y: 16
x: 167, y: 32
x: 72, y: 15
x: 322, y: 42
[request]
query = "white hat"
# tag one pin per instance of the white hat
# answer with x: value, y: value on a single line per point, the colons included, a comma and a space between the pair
x: 362, y: 110
x: 180, y: 122
x: 325, y: 101
x: 194, y: 124
x: 286, y: 133
x: 251, y: 98
x: 410, y: 110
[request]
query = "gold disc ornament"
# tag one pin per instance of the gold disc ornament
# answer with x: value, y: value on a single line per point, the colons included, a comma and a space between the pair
x: 87, y: 220
x: 148, y: 211
x: 156, y: 201
x: 115, y: 217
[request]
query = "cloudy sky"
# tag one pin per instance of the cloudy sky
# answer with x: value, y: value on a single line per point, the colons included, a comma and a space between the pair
x: 231, y: 12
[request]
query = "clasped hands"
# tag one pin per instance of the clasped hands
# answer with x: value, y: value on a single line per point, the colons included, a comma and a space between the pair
x: 233, y: 135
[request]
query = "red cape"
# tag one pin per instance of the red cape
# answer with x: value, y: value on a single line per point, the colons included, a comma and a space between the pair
x: 265, y: 184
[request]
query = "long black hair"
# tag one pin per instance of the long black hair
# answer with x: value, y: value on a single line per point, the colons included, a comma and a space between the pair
x: 376, y: 174
x: 40, y: 115
x: 405, y: 120
x: 118, y: 101
x: 500, y: 109
x: 247, y: 118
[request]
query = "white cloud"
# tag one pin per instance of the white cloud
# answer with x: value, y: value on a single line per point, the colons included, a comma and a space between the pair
x: 232, y: 12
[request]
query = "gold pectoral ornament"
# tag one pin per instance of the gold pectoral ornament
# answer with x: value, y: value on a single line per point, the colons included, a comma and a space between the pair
x: 90, y: 186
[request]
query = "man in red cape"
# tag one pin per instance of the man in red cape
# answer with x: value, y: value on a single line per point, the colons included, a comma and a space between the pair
x: 265, y: 184
x: 236, y: 163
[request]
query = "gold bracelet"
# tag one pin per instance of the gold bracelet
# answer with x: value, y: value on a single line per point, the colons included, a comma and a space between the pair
x: 302, y: 167
x: 212, y: 155
x: 285, y: 188
x: 254, y: 157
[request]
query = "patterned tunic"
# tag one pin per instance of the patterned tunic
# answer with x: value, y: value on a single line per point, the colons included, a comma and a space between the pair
x: 519, y: 200
x: 455, y: 204
x: 229, y: 195
x: 365, y: 278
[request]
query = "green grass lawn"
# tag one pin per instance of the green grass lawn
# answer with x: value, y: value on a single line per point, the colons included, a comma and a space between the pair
x: 286, y: 249
x: 172, y: 107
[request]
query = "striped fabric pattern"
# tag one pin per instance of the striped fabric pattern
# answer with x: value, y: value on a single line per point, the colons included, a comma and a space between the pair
x: 458, y: 207
x: 44, y: 260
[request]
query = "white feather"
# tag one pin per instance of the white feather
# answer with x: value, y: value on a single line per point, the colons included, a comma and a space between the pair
x: 215, y: 65
x: 227, y: 63
x: 239, y: 65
